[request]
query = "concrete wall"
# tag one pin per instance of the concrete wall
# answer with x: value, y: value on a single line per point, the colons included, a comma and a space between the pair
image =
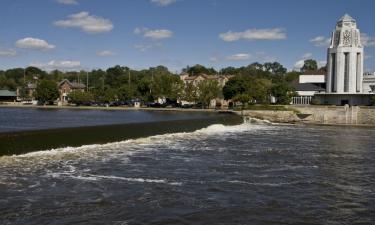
x: 317, y: 115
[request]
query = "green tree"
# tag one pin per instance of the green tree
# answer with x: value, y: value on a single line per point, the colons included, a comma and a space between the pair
x: 243, y: 98
x: 199, y: 69
x: 275, y: 68
x: 283, y: 93
x: 79, y: 97
x: 309, y: 64
x: 190, y: 93
x: 126, y: 92
x: 207, y: 91
x: 46, y: 91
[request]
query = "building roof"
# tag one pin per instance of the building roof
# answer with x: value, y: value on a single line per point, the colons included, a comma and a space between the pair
x: 7, y: 93
x: 74, y: 85
x: 307, y: 87
x: 347, y: 18
x: 208, y: 77
x: 315, y: 72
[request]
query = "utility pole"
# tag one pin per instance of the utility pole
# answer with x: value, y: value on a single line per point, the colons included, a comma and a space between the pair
x: 129, y: 79
x: 24, y: 76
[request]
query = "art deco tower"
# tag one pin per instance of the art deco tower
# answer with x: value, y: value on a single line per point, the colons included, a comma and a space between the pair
x: 345, y: 58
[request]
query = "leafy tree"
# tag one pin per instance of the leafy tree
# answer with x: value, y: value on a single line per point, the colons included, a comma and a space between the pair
x: 199, y: 69
x: 46, y: 91
x: 283, y: 93
x: 275, y: 68
x: 257, y: 89
x: 292, y: 76
x: 190, y: 93
x: 126, y: 92
x: 235, y: 86
x: 309, y: 64
x: 79, y: 97
x: 207, y: 91
x: 243, y: 98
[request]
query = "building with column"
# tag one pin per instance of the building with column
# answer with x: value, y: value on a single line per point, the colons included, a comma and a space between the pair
x: 344, y: 81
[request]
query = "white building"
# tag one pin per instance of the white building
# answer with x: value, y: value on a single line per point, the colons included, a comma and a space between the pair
x: 345, y: 58
x: 369, y: 83
x: 309, y: 84
x: 344, y: 83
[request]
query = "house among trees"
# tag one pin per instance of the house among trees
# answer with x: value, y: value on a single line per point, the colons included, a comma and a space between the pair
x: 195, y: 81
x: 65, y: 87
x: 221, y: 79
x: 8, y: 96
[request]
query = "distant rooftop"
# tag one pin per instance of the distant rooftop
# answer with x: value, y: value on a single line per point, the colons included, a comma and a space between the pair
x: 7, y: 93
x: 315, y: 72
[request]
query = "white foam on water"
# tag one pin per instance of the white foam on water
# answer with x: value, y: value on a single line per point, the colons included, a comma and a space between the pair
x: 126, y: 148
x: 92, y: 177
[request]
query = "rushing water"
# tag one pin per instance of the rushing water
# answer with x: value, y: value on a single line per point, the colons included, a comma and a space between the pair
x: 245, y: 174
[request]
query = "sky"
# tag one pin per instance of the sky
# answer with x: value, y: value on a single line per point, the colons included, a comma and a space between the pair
x: 92, y: 34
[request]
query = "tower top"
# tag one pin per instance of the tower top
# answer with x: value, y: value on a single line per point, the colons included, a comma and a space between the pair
x: 347, y: 18
x: 346, y: 21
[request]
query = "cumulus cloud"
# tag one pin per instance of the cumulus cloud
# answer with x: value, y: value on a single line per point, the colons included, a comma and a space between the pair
x: 105, y: 53
x: 321, y: 41
x: 58, y: 64
x: 163, y: 2
x: 299, y: 64
x: 67, y: 2
x: 254, y: 34
x: 88, y: 23
x: 34, y: 44
x: 239, y: 57
x: 367, y: 40
x: 153, y: 34
x: 7, y: 52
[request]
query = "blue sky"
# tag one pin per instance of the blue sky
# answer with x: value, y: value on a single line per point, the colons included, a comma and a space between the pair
x: 87, y: 34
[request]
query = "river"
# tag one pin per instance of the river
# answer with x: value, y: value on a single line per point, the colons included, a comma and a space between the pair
x: 253, y: 173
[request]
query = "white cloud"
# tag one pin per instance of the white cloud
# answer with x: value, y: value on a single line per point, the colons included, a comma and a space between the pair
x: 322, y: 63
x: 58, y: 64
x: 146, y: 47
x: 34, y: 44
x: 163, y: 2
x: 368, y: 57
x: 299, y: 64
x: 68, y: 2
x: 154, y: 34
x: 88, y: 23
x: 367, y: 40
x: 254, y: 34
x: 105, y: 53
x: 7, y: 53
x: 307, y: 55
x: 239, y: 57
x: 320, y: 41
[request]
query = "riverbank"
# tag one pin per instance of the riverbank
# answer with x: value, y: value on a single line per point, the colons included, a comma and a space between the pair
x: 104, y: 108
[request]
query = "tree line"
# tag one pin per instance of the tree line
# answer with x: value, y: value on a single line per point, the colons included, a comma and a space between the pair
x: 254, y: 83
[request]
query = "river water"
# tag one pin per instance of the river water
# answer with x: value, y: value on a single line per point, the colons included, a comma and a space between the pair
x: 244, y: 174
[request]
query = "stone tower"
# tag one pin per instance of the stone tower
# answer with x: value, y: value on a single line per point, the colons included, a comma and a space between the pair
x: 345, y: 58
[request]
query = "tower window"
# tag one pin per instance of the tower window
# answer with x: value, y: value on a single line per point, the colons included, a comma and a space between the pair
x: 346, y: 72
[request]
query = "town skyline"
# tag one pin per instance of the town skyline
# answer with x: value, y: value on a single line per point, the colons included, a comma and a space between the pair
x: 81, y: 34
